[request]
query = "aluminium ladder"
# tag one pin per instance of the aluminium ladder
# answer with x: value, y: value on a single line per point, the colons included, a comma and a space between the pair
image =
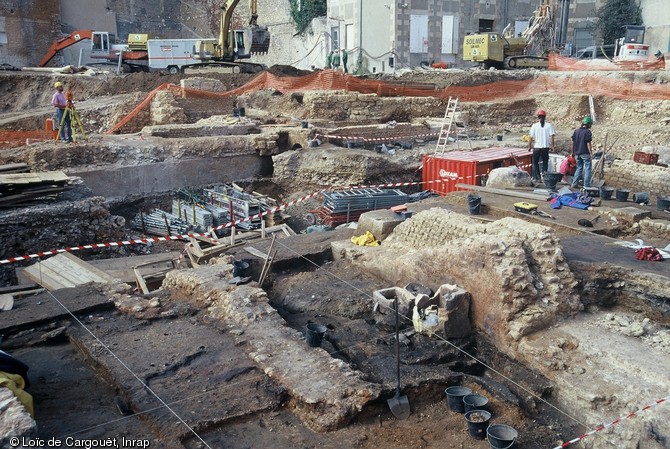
x: 450, y: 125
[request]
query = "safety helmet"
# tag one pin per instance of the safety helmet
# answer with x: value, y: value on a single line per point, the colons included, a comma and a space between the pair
x: 58, y: 84
x: 587, y: 120
x: 541, y: 112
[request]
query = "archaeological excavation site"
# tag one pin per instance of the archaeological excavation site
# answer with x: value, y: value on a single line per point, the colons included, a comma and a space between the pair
x: 313, y: 259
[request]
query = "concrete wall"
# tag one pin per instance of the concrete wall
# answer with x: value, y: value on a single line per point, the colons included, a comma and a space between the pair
x: 372, y: 45
x: 165, y: 176
x: 286, y: 48
x: 656, y: 16
x: 27, y: 28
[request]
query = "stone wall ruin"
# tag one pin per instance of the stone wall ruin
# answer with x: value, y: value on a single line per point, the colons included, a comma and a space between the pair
x: 515, y: 271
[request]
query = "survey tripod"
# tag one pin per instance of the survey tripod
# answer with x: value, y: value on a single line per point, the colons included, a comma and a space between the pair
x: 75, y: 122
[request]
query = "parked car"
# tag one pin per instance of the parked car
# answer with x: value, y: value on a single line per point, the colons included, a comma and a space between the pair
x: 596, y: 51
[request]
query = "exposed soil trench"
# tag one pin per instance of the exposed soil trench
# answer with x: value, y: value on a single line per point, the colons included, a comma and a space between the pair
x: 202, y: 362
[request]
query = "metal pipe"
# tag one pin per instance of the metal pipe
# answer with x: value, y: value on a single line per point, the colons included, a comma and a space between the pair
x: 360, y: 35
x: 563, y: 30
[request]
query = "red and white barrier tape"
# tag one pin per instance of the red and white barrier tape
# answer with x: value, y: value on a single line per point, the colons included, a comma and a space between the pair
x: 155, y: 239
x: 616, y: 421
x: 381, y: 139
x: 227, y: 225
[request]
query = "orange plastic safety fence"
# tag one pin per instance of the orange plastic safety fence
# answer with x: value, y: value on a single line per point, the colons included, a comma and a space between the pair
x: 500, y: 90
x: 137, y: 109
x: 13, y: 139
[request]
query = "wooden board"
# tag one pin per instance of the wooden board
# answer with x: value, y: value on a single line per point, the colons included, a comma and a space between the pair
x: 33, y: 178
x: 18, y: 167
x: 66, y: 270
x: 121, y: 268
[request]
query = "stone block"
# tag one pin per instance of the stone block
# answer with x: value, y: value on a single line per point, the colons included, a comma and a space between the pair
x: 380, y: 223
x: 384, y: 310
x: 456, y: 302
x: 632, y: 214
x: 200, y: 83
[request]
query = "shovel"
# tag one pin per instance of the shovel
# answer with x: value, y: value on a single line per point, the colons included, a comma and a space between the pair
x: 399, y: 405
x: 587, y: 223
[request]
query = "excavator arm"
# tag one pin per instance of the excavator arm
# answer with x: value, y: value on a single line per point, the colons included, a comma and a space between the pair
x: 65, y: 42
x: 260, y: 37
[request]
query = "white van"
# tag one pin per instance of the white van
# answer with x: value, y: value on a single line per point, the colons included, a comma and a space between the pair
x: 596, y: 51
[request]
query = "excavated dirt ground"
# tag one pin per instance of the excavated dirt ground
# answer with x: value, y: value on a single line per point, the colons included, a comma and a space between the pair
x: 80, y: 391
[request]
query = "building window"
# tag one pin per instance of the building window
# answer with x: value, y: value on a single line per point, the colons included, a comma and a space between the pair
x: 3, y: 38
x: 418, y: 33
x: 450, y: 39
x: 335, y: 38
x: 583, y: 38
x: 391, y: 61
x: 485, y: 25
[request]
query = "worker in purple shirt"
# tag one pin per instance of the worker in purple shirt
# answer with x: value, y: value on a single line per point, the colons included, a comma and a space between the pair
x: 62, y: 113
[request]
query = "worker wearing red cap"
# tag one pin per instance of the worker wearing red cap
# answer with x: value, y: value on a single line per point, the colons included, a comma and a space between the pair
x: 541, y: 142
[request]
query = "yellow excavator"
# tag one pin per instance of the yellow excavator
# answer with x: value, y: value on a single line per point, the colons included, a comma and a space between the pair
x: 231, y: 45
x: 496, y: 50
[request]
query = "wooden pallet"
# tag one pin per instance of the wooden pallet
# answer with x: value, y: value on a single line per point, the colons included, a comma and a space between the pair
x: 17, y: 188
x: 66, y: 270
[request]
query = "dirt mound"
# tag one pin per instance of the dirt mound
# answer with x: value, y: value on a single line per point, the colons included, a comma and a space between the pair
x: 287, y: 70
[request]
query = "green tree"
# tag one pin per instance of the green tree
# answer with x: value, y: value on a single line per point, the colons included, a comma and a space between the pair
x: 303, y: 11
x: 613, y: 15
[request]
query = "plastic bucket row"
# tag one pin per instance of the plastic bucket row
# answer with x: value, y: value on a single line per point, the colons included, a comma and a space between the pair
x: 462, y: 400
x: 662, y: 203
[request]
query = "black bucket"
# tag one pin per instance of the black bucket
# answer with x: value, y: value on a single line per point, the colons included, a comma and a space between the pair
x: 240, y: 268
x: 474, y: 203
x: 663, y: 202
x: 455, y: 397
x: 593, y: 192
x: 622, y: 194
x: 551, y: 179
x: 501, y: 436
x: 606, y: 193
x: 236, y: 112
x: 242, y: 112
x: 641, y: 197
x: 314, y: 334
x: 474, y: 402
x: 499, y: 137
x: 304, y: 124
x: 478, y: 422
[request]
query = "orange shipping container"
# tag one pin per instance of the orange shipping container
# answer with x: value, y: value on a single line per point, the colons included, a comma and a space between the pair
x: 441, y: 172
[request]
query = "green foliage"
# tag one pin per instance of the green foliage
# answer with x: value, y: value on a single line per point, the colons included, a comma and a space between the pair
x: 613, y: 15
x: 309, y: 9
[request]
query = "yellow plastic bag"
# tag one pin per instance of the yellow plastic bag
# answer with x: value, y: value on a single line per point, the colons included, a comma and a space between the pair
x: 16, y: 383
x: 366, y: 239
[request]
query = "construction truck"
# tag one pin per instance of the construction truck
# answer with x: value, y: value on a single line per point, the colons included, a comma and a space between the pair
x: 231, y: 45
x: 102, y: 46
x: 496, y: 50
x: 631, y: 46
x: 174, y: 55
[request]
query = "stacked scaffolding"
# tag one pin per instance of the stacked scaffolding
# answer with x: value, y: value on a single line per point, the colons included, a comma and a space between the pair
x: 159, y: 222
x: 345, y: 206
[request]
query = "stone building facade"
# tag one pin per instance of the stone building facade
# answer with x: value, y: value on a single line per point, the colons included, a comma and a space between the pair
x: 380, y: 36
x: 386, y: 36
x: 27, y: 28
